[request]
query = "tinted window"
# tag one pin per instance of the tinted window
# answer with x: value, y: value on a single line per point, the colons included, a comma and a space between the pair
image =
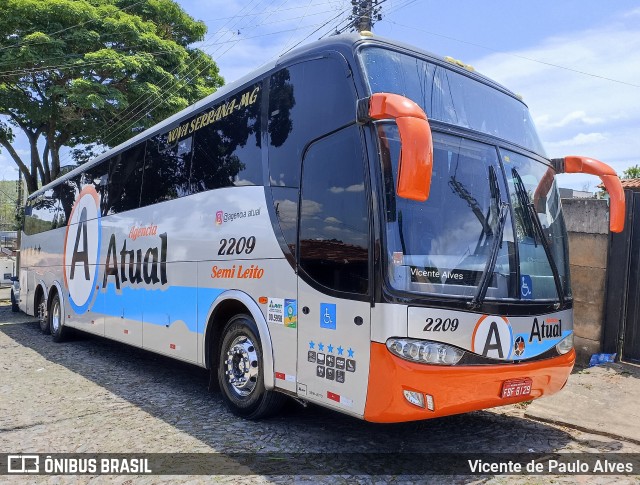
x: 65, y: 195
x: 125, y: 180
x: 41, y: 214
x: 334, y: 222
x: 98, y: 177
x: 285, y: 201
x: 306, y: 101
x: 167, y: 169
x: 449, y: 96
x: 227, y: 150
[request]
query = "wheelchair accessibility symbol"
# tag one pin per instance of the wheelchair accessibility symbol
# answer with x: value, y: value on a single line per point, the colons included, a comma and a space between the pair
x: 328, y: 316
x: 526, y: 287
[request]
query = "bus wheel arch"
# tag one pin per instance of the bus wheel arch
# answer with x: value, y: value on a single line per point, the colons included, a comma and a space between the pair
x: 241, y: 373
x: 226, y: 306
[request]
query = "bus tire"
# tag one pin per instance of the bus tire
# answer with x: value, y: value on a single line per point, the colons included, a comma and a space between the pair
x: 41, y: 313
x: 15, y: 308
x: 55, y: 319
x: 241, y: 371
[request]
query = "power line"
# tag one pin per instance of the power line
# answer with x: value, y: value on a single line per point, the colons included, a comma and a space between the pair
x: 278, y: 10
x: 514, y: 55
x: 148, y: 103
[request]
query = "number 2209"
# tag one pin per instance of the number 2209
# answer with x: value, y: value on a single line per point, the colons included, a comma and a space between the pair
x: 242, y: 245
x: 441, y: 325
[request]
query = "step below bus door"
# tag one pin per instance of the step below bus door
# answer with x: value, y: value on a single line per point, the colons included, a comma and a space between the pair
x: 334, y: 339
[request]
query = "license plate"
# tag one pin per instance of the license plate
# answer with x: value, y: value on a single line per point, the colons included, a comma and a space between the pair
x: 516, y: 387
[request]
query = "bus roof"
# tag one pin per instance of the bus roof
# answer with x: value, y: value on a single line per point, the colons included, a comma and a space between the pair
x: 344, y: 43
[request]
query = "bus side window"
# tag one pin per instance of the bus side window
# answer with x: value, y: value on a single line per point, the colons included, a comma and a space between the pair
x: 306, y: 100
x: 227, y: 151
x: 66, y: 194
x: 125, y: 180
x: 167, y: 168
x: 334, y: 219
x: 43, y: 214
x: 98, y: 177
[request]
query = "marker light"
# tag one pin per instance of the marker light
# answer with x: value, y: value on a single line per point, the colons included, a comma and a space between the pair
x: 565, y: 345
x: 424, y: 351
x: 430, y: 405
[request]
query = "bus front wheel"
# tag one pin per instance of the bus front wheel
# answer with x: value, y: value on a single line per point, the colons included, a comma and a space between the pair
x: 241, y: 371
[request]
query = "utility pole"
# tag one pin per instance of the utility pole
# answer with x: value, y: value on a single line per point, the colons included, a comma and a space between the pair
x: 364, y: 14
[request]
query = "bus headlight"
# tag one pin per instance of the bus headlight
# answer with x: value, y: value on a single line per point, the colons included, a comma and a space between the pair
x: 424, y: 351
x: 565, y: 345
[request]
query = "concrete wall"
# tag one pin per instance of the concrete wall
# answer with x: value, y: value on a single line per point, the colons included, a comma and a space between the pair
x: 588, y: 226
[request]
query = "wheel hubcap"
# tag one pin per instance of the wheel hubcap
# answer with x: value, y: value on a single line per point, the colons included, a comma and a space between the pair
x: 55, y: 317
x: 242, y: 366
x: 42, y: 315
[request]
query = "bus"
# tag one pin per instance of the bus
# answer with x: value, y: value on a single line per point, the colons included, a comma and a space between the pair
x: 359, y: 224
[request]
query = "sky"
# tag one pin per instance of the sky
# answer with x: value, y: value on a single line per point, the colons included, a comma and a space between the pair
x: 575, y: 63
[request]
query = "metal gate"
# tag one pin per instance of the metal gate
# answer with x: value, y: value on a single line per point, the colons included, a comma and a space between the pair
x: 622, y: 312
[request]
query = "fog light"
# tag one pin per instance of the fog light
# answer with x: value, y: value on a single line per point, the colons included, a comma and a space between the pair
x: 414, y: 398
x: 424, y: 351
x: 565, y: 345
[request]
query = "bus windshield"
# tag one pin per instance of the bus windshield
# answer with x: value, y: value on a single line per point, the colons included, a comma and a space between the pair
x: 450, y: 97
x: 443, y: 245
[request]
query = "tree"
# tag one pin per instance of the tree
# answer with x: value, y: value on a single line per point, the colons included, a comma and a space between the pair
x: 632, y: 172
x: 87, y: 73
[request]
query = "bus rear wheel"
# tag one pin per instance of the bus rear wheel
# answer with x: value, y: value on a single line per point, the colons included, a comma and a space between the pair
x: 55, y: 319
x: 241, y: 371
x: 41, y: 313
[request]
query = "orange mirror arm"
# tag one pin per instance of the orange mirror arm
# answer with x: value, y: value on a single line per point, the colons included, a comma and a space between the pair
x: 416, y: 154
x: 575, y: 164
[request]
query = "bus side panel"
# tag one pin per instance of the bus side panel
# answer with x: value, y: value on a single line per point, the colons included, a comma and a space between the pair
x: 170, y: 314
x: 89, y: 320
x: 333, y: 349
x: 41, y: 262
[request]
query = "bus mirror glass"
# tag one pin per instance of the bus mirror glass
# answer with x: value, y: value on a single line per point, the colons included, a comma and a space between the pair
x: 575, y: 164
x: 416, y: 153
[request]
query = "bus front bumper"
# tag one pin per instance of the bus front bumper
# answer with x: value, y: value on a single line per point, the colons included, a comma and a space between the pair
x: 454, y: 389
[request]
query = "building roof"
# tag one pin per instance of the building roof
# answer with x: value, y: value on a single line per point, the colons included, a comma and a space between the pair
x: 631, y: 184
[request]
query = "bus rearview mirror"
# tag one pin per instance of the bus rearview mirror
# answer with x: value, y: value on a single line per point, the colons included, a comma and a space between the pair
x: 575, y: 164
x: 416, y: 152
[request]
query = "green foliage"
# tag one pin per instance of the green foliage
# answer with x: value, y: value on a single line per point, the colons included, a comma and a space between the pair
x: 79, y: 72
x: 632, y: 172
x: 8, y: 204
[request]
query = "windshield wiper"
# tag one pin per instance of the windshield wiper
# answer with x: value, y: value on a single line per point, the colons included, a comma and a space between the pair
x: 485, y: 278
x: 538, y: 231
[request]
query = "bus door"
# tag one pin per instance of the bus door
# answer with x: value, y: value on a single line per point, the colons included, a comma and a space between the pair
x: 334, y: 310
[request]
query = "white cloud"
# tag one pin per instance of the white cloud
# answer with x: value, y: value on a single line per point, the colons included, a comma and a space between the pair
x: 579, y: 140
x: 567, y: 105
x: 351, y: 188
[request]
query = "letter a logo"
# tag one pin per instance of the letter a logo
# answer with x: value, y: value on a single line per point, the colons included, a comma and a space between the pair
x: 493, y: 337
x: 82, y: 249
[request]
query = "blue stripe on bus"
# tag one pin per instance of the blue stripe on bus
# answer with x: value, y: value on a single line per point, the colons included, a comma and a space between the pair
x: 158, y: 307
x: 536, y: 348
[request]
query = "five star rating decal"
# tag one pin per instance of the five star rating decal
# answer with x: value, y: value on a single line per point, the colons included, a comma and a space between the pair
x: 331, y: 366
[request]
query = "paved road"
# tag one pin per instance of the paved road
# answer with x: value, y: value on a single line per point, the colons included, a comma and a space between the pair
x: 94, y: 395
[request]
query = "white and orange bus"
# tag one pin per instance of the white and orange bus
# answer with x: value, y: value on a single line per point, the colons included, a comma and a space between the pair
x: 361, y: 225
